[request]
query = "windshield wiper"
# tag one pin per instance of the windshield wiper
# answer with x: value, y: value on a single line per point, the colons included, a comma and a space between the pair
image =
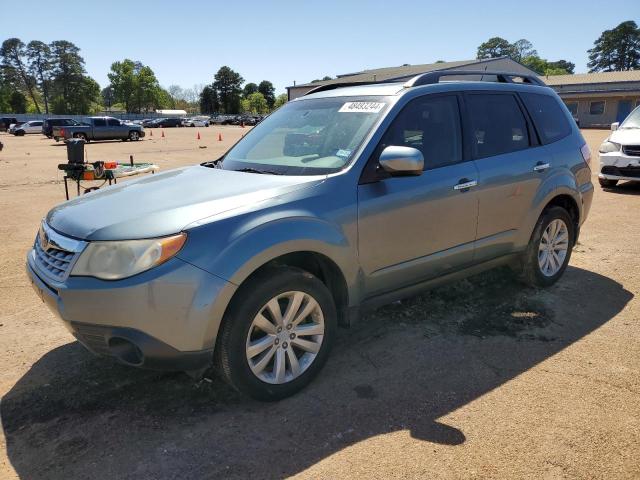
x: 255, y: 170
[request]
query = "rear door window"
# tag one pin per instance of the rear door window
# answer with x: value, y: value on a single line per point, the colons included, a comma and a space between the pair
x: 99, y: 122
x: 112, y: 122
x: 549, y: 118
x: 498, y: 125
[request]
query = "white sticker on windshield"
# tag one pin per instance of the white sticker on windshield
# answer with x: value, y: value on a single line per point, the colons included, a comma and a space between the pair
x: 362, y: 107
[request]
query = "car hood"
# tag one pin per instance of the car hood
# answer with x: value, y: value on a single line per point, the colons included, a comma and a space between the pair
x: 625, y: 136
x: 165, y: 203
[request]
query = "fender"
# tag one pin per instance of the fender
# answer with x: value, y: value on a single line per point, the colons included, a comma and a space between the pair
x: 559, y: 182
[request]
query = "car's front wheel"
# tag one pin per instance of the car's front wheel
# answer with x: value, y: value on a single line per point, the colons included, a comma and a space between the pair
x: 134, y: 136
x: 549, y: 250
x: 277, y: 333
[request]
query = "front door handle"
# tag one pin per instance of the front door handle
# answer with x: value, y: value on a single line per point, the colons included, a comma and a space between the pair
x: 465, y: 184
x: 540, y: 167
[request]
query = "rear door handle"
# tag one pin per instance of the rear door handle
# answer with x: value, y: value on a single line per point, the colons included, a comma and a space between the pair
x: 465, y: 184
x: 540, y: 167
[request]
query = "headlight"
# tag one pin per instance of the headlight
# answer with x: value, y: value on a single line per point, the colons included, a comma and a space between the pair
x: 609, y: 147
x: 122, y: 259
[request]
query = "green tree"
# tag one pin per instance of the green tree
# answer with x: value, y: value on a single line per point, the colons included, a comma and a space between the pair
x: 136, y: 86
x: 248, y: 89
x: 616, y: 49
x: 228, y: 86
x: 72, y: 91
x: 13, y: 53
x: 280, y: 100
x: 568, y: 67
x: 522, y: 49
x: 18, y: 102
x: 544, y: 67
x: 268, y: 92
x: 255, y: 103
x: 209, y: 102
x: 495, y: 47
x: 40, y: 67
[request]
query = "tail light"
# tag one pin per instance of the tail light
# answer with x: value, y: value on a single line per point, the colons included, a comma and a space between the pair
x: 62, y: 132
x: 586, y: 154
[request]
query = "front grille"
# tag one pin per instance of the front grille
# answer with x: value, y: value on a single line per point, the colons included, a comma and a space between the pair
x: 53, y: 262
x: 92, y: 337
x: 631, y: 150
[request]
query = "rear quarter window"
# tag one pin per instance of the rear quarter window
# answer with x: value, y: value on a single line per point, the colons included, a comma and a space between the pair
x: 548, y: 116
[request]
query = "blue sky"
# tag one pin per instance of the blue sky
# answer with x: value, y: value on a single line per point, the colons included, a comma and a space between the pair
x: 185, y: 42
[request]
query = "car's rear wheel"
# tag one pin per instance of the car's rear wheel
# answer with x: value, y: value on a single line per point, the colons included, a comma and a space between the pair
x: 80, y: 135
x: 606, y: 183
x: 549, y: 250
x: 277, y: 333
x: 134, y: 136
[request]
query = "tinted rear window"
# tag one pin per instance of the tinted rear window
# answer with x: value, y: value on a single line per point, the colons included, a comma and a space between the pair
x: 99, y: 122
x: 548, y: 116
x: 497, y: 123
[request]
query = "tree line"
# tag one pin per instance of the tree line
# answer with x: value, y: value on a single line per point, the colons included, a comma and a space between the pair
x: 51, y: 77
x: 617, y: 49
x: 226, y: 94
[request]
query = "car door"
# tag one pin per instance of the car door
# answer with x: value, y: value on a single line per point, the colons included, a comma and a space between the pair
x: 414, y: 228
x: 509, y: 169
x: 99, y: 128
x: 115, y: 129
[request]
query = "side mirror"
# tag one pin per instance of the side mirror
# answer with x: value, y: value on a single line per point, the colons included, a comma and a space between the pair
x: 399, y: 161
x: 615, y: 125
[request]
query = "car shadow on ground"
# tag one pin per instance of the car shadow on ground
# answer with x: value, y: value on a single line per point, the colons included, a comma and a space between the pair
x: 625, y: 188
x: 402, y: 367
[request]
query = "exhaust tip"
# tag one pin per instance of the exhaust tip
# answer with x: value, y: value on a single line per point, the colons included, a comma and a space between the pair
x: 126, y: 351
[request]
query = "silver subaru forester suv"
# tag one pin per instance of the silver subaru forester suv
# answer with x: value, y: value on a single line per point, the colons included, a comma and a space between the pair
x: 345, y: 199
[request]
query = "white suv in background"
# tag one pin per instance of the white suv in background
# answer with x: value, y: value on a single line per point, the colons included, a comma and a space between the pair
x: 620, y: 153
x: 33, y: 126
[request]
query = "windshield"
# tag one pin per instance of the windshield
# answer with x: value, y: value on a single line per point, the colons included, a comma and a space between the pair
x: 307, y: 137
x: 633, y: 120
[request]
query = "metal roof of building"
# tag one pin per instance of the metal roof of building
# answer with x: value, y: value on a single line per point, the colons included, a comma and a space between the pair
x: 382, y: 74
x: 591, y: 78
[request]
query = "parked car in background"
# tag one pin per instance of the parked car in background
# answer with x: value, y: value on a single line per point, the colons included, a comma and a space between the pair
x: 165, y: 123
x: 222, y: 119
x: 13, y: 126
x: 6, y: 122
x: 341, y: 200
x: 620, y: 153
x: 195, y: 122
x: 32, y: 126
x: 100, y: 128
x: 49, y: 123
x: 148, y: 122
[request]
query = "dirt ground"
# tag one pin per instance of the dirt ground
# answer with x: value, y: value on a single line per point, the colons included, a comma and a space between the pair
x: 479, y: 379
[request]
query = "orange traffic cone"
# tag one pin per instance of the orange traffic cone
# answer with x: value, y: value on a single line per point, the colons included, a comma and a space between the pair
x: 241, y: 124
x: 151, y: 133
x: 198, y: 136
x: 219, y: 137
x: 162, y: 133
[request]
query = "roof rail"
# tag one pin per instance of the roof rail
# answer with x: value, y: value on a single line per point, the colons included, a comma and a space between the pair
x: 333, y: 86
x: 429, y: 78
x: 501, y: 77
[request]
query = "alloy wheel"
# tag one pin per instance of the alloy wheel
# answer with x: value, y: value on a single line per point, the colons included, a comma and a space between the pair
x: 553, y: 248
x: 285, y: 337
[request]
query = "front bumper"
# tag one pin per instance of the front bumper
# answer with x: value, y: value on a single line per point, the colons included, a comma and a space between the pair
x: 166, y: 318
x: 619, y: 166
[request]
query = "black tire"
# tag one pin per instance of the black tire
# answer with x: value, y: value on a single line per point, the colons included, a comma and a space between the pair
x: 19, y: 133
x: 231, y: 360
x: 605, y: 183
x: 82, y: 136
x: 134, y: 136
x: 531, y: 272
